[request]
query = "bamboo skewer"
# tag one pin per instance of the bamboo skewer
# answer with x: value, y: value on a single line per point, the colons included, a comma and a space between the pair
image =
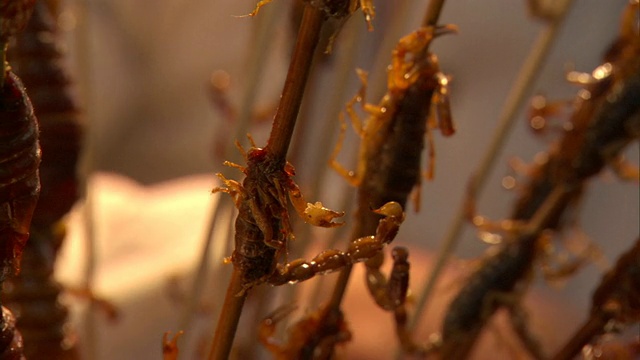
x: 277, y: 147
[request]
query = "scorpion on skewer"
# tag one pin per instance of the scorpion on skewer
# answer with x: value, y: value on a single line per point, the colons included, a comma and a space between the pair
x: 388, y: 170
x: 389, y: 159
x: 263, y: 228
x: 606, y: 120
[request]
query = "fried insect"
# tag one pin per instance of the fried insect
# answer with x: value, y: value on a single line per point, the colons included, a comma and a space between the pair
x: 393, y: 134
x: 300, y: 333
x: 392, y: 139
x: 606, y: 119
x: 617, y: 299
x: 263, y: 228
x: 34, y: 294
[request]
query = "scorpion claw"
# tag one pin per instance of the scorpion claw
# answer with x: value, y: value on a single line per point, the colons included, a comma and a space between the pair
x: 318, y: 215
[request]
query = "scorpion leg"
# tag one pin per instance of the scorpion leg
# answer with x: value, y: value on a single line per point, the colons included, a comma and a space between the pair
x: 592, y: 253
x: 487, y: 228
x: 260, y: 4
x: 369, y: 12
x: 170, y: 347
x: 442, y: 106
x: 353, y: 178
x: 540, y: 109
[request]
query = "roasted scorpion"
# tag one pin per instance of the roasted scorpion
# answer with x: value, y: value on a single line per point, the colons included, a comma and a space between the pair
x: 263, y: 228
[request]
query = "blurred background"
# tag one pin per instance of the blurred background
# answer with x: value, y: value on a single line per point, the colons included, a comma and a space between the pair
x: 144, y: 70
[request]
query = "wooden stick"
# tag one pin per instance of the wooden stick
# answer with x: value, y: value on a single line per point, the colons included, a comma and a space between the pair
x: 299, y: 69
x: 229, y: 318
x: 277, y: 147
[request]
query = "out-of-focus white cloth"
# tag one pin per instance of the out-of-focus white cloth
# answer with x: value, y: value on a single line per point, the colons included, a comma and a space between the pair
x: 144, y: 237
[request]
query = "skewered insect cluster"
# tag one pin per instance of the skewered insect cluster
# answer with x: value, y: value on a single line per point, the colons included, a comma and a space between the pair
x: 394, y: 131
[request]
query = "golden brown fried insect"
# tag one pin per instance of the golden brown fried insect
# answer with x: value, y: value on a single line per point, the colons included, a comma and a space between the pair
x: 296, y: 346
x: 263, y: 228
x: 389, y: 159
x: 395, y: 127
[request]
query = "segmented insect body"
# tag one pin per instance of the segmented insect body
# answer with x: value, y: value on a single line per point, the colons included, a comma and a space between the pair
x: 617, y: 298
x: 19, y: 161
x: 393, y: 135
x: 299, y: 334
x: 604, y: 122
x: 263, y: 228
x: 389, y: 159
x: 19, y: 182
x: 33, y: 294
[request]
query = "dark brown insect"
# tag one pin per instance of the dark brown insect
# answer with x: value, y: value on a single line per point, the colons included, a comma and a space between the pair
x: 33, y: 294
x: 389, y: 159
x: 606, y: 119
